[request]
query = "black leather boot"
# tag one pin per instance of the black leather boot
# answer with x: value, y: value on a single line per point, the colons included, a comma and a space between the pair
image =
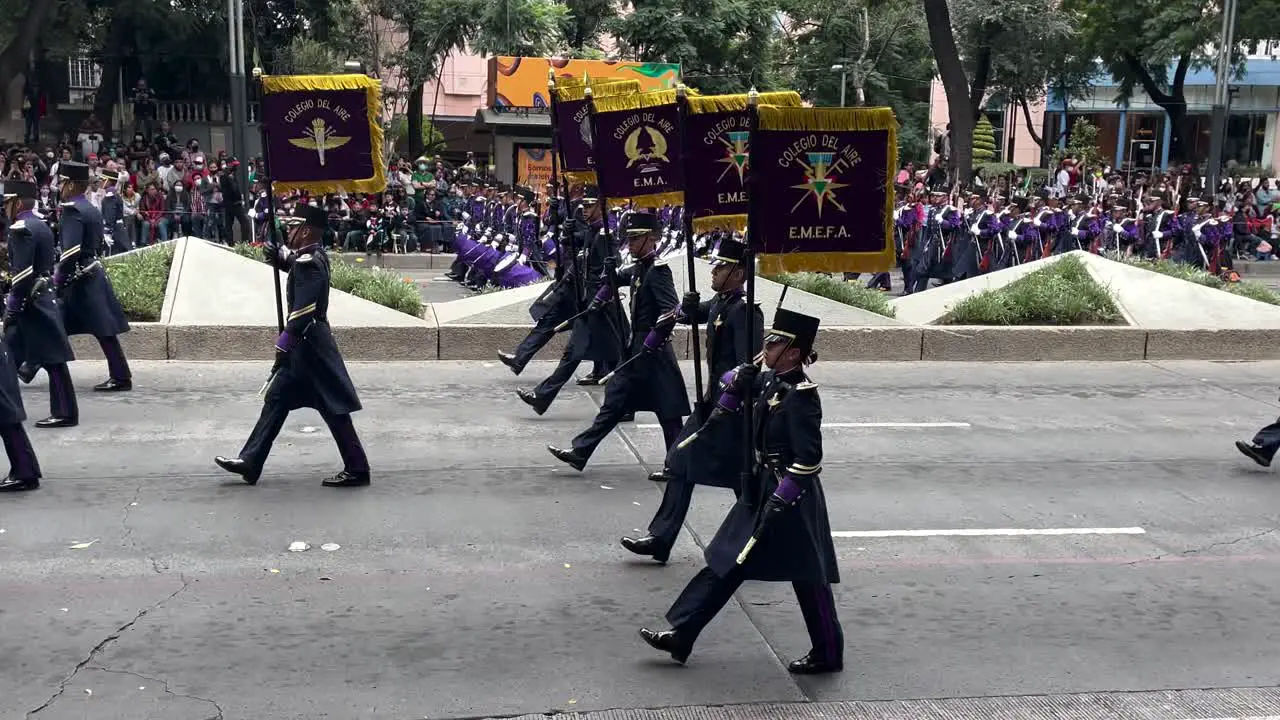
x: 239, y: 467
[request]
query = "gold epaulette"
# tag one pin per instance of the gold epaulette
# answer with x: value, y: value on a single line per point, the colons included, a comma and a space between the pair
x: 305, y: 258
x: 806, y: 385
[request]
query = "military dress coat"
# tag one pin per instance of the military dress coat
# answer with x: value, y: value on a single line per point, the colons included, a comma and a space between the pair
x: 715, y: 457
x: 797, y: 546
x: 35, y: 333
x: 89, y: 304
x: 313, y: 374
x: 652, y: 382
x: 600, y: 336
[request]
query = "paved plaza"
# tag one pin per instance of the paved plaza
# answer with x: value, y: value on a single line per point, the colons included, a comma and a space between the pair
x: 478, y: 578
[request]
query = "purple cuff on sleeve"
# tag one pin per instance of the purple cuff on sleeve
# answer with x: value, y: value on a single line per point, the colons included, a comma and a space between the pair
x: 12, y: 303
x: 59, y: 276
x: 788, y: 490
x: 604, y: 294
x: 286, y: 342
x: 655, y: 339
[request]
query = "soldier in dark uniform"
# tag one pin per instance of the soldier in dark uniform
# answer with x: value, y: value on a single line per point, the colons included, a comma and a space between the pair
x: 597, y: 336
x: 778, y: 530
x: 114, y: 233
x: 89, y: 304
x: 651, y: 379
x: 713, y: 458
x: 308, y: 370
x: 558, y: 303
x: 32, y: 323
x: 24, y: 469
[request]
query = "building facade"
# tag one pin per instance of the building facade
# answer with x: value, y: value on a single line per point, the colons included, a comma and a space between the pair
x: 1137, y: 135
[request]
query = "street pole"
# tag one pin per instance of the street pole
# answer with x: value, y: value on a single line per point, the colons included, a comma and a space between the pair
x: 843, y: 72
x: 1218, y: 136
x: 239, y: 104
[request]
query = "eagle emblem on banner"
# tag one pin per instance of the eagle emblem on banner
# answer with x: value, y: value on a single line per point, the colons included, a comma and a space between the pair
x: 319, y: 137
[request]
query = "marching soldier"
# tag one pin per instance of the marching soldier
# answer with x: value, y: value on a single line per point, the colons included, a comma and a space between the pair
x: 778, y: 530
x: 32, y: 323
x: 598, y: 335
x: 650, y: 379
x: 557, y: 304
x: 24, y: 469
x: 308, y: 370
x: 714, y: 457
x: 89, y: 304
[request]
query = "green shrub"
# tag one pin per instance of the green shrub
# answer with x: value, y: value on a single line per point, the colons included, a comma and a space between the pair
x: 1063, y: 293
x: 139, y: 280
x: 835, y: 289
x: 374, y: 284
x: 1190, y: 273
x: 984, y: 141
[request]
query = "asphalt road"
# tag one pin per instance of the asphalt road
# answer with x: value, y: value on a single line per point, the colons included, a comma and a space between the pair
x: 477, y: 578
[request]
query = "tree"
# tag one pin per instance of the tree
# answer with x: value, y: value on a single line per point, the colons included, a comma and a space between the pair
x: 1152, y: 44
x: 896, y: 66
x: 584, y: 22
x: 21, y: 37
x: 723, y: 45
x: 955, y: 82
x: 984, y: 141
x: 1082, y: 144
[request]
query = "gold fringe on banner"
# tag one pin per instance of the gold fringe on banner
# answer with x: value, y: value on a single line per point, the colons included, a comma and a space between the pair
x: 708, y: 223
x: 833, y: 119
x: 636, y: 101
x: 373, y: 102
x: 599, y: 88
x: 838, y: 120
x: 656, y: 200
x: 737, y: 103
x: 580, y: 177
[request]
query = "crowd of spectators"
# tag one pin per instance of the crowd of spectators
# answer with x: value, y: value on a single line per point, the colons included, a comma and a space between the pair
x: 169, y: 188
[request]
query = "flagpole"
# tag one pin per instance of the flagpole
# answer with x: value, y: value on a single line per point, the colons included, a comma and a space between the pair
x: 271, y: 205
x: 682, y: 104
x: 749, y: 259
x: 610, y: 266
x: 556, y: 178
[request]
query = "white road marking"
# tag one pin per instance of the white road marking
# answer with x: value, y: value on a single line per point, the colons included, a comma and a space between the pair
x: 650, y: 426
x: 987, y: 532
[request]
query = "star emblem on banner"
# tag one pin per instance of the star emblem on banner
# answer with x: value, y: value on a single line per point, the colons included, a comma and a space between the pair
x: 818, y: 184
x: 736, y: 154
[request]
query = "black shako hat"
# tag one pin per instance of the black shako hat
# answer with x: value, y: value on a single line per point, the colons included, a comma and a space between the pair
x: 797, y: 329
x: 304, y: 214
x: 639, y: 223
x: 728, y: 251
x: 21, y: 189
x: 590, y: 194
x: 74, y: 171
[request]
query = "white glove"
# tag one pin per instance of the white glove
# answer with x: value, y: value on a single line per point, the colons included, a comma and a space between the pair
x: 1036, y: 222
x: 974, y: 228
x: 1213, y: 222
x: 523, y: 259
x: 466, y: 215
x: 1011, y: 235
x: 1117, y: 227
x: 1157, y: 234
x: 1196, y: 231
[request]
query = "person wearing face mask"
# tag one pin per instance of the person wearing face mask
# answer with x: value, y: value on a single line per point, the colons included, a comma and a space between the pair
x: 778, y: 530
x: 89, y: 305
x: 309, y: 370
x: 650, y: 378
x: 33, y: 327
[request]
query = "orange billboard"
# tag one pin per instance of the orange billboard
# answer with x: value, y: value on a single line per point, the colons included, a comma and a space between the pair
x: 533, y: 167
x: 521, y: 82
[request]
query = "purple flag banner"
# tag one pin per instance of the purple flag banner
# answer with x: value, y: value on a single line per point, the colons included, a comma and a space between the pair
x: 323, y: 134
x: 638, y: 148
x: 717, y: 128
x: 825, y: 178
x: 572, y: 118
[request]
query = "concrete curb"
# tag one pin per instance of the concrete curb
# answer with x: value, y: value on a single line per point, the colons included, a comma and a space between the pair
x: 156, y: 341
x: 407, y: 261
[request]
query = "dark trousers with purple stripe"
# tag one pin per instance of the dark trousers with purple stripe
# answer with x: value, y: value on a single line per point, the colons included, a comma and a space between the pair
x: 62, y: 393
x: 707, y: 593
x: 22, y: 457
x: 258, y: 446
x: 117, y: 363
